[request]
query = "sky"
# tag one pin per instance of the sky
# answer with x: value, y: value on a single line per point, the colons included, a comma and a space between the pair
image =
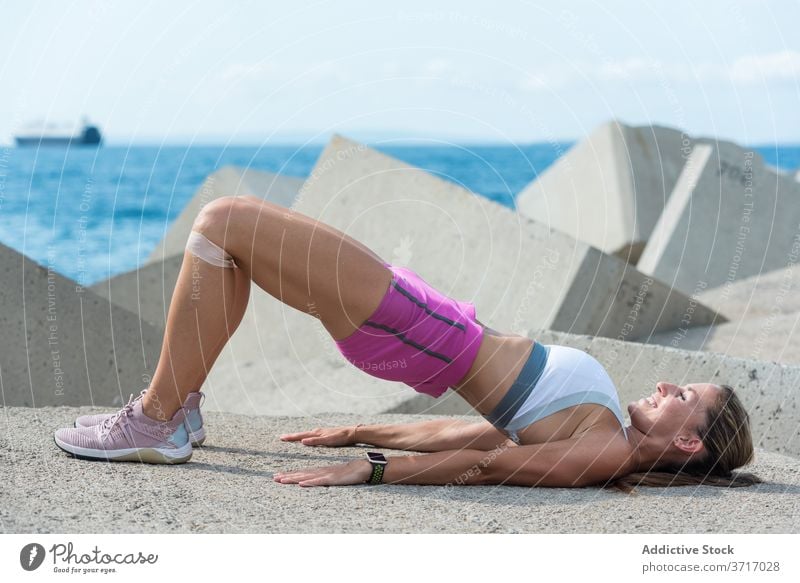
x: 238, y: 72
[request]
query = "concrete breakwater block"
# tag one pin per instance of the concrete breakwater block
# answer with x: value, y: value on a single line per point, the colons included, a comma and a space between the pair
x: 763, y: 311
x: 757, y: 296
x: 62, y: 344
x: 768, y: 390
x: 518, y: 272
x: 774, y: 338
x: 227, y: 181
x: 609, y: 189
x: 145, y: 291
x: 729, y: 217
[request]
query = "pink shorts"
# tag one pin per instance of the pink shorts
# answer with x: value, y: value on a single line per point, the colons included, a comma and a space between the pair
x: 416, y: 335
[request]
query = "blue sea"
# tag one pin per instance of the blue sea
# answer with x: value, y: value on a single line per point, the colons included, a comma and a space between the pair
x: 90, y: 214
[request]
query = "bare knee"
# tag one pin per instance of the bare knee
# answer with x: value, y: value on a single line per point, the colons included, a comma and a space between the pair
x: 252, y: 198
x: 221, y: 218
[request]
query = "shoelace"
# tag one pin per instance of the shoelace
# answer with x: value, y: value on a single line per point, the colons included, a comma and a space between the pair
x: 111, y: 422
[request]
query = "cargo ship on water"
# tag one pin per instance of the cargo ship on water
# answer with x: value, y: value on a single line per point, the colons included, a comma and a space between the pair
x: 55, y: 135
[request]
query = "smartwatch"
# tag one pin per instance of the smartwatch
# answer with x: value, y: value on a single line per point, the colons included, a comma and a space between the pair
x: 378, y: 461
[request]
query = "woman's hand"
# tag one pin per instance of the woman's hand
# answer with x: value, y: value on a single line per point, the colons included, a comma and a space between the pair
x: 354, y: 472
x: 329, y: 436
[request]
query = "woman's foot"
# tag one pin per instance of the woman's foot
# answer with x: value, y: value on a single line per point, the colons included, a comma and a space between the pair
x: 194, y: 420
x: 130, y: 435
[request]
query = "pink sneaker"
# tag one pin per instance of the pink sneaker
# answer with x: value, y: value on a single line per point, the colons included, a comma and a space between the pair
x: 129, y: 435
x: 194, y: 420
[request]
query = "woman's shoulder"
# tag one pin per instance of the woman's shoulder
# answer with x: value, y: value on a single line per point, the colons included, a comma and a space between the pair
x: 614, y: 443
x: 589, y: 458
x: 613, y: 448
x: 612, y: 439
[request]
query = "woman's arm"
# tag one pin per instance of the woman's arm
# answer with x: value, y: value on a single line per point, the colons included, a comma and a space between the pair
x: 570, y: 463
x: 426, y: 436
x: 581, y: 461
x: 434, y: 435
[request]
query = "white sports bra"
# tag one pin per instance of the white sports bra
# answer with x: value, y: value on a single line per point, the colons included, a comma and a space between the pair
x: 569, y: 377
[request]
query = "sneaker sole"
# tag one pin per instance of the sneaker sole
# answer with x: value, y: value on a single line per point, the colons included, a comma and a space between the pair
x: 150, y: 455
x: 196, y: 438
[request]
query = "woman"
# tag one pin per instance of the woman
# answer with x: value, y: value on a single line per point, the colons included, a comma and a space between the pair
x: 551, y: 413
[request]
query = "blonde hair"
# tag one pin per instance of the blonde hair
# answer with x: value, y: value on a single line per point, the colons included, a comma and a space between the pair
x: 727, y: 439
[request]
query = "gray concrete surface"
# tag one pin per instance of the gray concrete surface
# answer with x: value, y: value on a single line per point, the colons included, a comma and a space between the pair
x: 518, y: 272
x: 729, y: 217
x: 609, y: 189
x: 227, y: 487
x: 227, y: 181
x: 65, y: 345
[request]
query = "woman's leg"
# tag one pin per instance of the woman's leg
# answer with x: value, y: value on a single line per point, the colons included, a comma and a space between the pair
x: 207, y: 306
x: 304, y: 263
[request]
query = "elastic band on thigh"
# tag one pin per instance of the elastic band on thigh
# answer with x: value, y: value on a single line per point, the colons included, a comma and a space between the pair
x: 209, y: 252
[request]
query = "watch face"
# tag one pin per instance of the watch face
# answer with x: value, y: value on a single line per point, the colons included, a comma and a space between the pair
x: 376, y: 457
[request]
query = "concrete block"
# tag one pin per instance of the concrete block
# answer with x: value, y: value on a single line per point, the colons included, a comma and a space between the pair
x: 729, y: 217
x: 774, y: 338
x: 145, y: 291
x: 227, y: 181
x: 757, y: 296
x: 65, y: 345
x: 609, y: 189
x: 519, y: 272
x: 763, y: 312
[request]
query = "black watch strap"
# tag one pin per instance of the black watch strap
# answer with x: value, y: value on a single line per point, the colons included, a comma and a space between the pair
x: 378, y: 466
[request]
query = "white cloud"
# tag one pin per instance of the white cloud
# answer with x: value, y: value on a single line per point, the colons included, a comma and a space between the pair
x: 248, y: 71
x: 535, y: 82
x: 627, y: 69
x: 780, y: 66
x: 765, y: 68
x: 437, y: 67
x: 326, y: 74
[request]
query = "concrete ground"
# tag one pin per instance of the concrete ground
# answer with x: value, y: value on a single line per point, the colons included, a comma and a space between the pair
x: 227, y: 487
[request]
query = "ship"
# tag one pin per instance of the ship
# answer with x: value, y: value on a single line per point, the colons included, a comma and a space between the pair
x: 54, y: 135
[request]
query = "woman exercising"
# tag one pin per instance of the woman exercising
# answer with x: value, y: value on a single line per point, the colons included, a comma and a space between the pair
x: 551, y: 413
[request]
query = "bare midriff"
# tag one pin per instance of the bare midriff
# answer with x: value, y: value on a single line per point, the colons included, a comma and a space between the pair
x: 497, y: 365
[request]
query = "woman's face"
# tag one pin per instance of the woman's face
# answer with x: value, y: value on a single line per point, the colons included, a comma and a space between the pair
x: 673, y: 411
